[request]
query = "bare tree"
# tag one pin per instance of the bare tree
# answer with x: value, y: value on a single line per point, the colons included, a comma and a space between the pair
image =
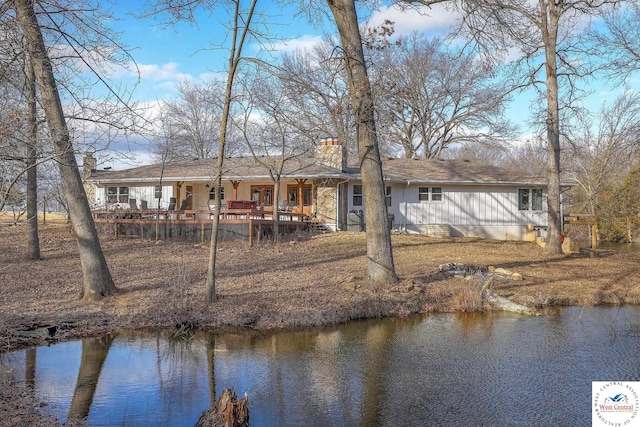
x: 380, y: 265
x: 489, y: 154
x: 97, y: 281
x: 600, y: 158
x: 543, y: 34
x: 430, y: 97
x: 240, y: 30
x: 275, y: 138
x: 194, y: 119
x: 19, y: 131
x: 618, y: 43
x: 317, y: 89
x: 164, y: 150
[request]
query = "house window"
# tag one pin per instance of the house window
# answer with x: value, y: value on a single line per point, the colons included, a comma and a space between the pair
x: 357, y: 195
x: 117, y: 194
x: 387, y: 196
x: 530, y: 199
x: 433, y: 194
x: 212, y: 193
x: 306, y: 195
x: 157, y: 192
x: 294, y: 195
x: 262, y: 194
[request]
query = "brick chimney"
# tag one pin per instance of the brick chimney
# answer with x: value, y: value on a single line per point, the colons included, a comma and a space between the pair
x: 332, y: 153
x: 89, y: 164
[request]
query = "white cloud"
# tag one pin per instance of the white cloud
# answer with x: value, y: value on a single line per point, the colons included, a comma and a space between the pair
x: 305, y: 42
x: 168, y: 71
x: 436, y: 20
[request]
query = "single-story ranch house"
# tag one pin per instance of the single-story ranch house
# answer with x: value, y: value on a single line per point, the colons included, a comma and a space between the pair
x: 432, y: 197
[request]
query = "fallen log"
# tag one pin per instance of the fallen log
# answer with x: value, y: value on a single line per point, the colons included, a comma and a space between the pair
x: 504, y: 304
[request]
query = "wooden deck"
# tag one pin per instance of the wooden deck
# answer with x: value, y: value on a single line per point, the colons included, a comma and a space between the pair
x: 235, y: 224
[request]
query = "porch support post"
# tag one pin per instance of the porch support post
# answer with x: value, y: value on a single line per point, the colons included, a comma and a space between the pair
x: 235, y: 189
x: 301, y: 183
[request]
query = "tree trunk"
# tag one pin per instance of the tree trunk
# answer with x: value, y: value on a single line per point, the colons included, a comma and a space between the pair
x: 275, y: 216
x: 228, y: 411
x: 33, y: 240
x: 552, y: 245
x: 210, y: 283
x: 380, y: 265
x: 96, y: 278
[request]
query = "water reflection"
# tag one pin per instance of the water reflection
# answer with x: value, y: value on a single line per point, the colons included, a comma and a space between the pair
x: 454, y: 369
x: 620, y: 247
x: 94, y: 353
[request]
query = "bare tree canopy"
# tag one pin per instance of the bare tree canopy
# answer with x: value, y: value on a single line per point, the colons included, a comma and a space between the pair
x: 317, y: 88
x: 600, y: 158
x: 430, y: 97
x: 193, y: 119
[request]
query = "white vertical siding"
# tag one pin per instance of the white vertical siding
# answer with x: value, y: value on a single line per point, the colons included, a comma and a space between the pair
x: 460, y: 205
x: 138, y: 192
x: 489, y: 206
x: 148, y: 193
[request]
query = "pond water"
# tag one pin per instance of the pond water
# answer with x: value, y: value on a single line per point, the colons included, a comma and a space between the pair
x: 446, y: 369
x: 621, y: 247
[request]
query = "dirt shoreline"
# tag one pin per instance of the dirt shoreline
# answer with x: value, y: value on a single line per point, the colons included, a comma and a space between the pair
x: 308, y: 281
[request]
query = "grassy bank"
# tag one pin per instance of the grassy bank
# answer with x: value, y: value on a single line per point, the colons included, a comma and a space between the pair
x: 311, y: 281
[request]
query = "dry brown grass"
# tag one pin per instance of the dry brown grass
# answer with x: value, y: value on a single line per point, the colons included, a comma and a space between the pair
x: 310, y: 282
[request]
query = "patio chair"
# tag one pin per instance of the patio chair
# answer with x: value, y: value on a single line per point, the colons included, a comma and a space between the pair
x: 144, y: 205
x: 133, y: 205
x: 183, y: 206
x: 172, y: 203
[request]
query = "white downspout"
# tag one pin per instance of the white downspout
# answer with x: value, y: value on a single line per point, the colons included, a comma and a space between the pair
x: 404, y: 198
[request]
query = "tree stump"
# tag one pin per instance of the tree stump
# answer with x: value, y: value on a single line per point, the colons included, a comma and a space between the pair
x: 228, y: 411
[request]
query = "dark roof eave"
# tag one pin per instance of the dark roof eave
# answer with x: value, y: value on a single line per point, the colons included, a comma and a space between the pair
x: 471, y: 182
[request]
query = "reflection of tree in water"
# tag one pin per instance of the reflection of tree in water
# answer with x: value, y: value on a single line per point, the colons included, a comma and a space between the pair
x: 175, y: 362
x: 347, y: 384
x: 378, y: 340
x: 210, y: 340
x: 94, y: 353
x: 30, y: 369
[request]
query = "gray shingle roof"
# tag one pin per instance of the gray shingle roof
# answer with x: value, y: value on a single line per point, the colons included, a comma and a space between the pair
x: 240, y: 168
x: 453, y: 171
x: 416, y: 171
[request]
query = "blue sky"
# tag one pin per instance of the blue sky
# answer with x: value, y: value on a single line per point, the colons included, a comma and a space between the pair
x: 167, y: 55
